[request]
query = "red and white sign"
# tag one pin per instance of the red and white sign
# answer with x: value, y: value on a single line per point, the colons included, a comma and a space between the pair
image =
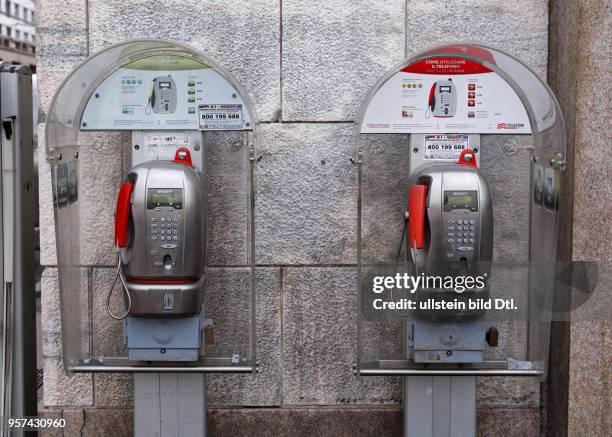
x: 443, y: 95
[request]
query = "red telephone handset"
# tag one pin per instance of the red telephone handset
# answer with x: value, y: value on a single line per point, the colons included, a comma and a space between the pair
x: 123, y: 213
x: 416, y: 214
x: 431, y: 101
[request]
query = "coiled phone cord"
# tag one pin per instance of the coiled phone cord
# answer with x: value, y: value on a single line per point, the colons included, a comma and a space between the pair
x: 125, y: 290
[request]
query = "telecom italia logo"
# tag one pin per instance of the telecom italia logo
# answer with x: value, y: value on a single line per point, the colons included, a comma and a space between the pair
x: 510, y: 125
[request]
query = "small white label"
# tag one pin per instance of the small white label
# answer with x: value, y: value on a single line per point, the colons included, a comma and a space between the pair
x: 220, y: 116
x: 445, y: 147
x: 163, y: 146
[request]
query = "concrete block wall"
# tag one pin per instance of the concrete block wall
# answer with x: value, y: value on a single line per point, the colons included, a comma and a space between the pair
x: 307, y: 65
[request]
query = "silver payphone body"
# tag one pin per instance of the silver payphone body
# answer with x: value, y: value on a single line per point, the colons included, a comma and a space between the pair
x: 160, y: 225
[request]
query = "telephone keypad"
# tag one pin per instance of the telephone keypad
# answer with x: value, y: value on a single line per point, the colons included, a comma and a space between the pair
x: 165, y: 235
x: 464, y: 246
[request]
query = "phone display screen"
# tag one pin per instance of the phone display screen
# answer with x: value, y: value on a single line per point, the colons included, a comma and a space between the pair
x: 172, y: 197
x: 165, y: 85
x: 445, y: 89
x: 460, y: 200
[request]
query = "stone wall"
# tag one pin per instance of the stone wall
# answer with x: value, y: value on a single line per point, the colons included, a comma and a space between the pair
x: 307, y: 65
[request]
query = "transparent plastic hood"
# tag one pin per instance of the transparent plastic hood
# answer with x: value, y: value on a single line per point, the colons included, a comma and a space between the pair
x: 89, y: 164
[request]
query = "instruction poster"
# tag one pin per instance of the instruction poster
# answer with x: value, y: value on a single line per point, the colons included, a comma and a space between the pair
x: 165, y: 92
x: 446, y: 94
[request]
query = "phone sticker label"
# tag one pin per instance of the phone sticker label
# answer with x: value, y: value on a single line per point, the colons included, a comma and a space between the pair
x: 220, y: 117
x: 445, y: 147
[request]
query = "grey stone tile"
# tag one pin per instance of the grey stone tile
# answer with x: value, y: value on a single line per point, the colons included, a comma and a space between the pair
x: 385, y: 174
x: 108, y: 422
x: 349, y: 422
x: 319, y: 337
x: 506, y: 165
x: 228, y: 304
x: 305, y: 422
x: 243, y: 37
x: 108, y: 334
x: 508, y: 392
x: 432, y: 23
x: 113, y: 390
x: 101, y: 165
x: 100, y: 175
x: 306, y: 200
x: 509, y: 422
x: 228, y: 207
x: 59, y: 389
x: 333, y: 52
x: 61, y: 33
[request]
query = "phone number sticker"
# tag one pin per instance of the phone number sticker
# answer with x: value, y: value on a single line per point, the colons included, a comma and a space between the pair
x: 220, y: 117
x: 445, y: 146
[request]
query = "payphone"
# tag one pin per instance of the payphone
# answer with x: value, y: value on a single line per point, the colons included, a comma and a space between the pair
x: 436, y: 126
x: 178, y: 108
x: 451, y: 218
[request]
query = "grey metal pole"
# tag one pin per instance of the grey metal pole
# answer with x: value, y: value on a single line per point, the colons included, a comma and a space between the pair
x: 169, y: 404
x: 19, y: 298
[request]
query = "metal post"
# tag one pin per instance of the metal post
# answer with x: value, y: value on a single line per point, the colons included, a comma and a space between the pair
x: 440, y: 406
x: 169, y: 404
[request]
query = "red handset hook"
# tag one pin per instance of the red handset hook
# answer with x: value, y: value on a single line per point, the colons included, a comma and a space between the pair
x: 123, y: 213
x: 183, y: 156
x: 468, y: 157
x: 416, y: 215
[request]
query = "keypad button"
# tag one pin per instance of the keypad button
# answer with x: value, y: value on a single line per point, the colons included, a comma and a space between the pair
x: 154, y: 238
x: 163, y: 219
x: 471, y: 240
x: 174, y: 226
x: 451, y: 240
x: 451, y: 222
x: 471, y: 228
x: 459, y: 222
x: 175, y: 238
x: 451, y: 234
x: 154, y: 232
x: 451, y: 228
x: 471, y: 222
x: 163, y: 238
x: 450, y: 255
x: 163, y: 231
x: 153, y: 219
x: 154, y: 252
x: 460, y: 228
x: 471, y: 234
x: 464, y: 248
x: 175, y: 219
x: 154, y: 226
x: 175, y: 232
